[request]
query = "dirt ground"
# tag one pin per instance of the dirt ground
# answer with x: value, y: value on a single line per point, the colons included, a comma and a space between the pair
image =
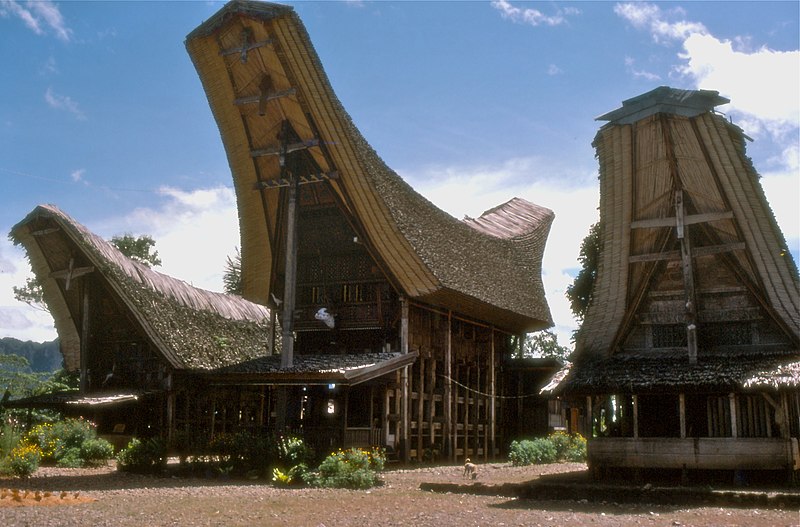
x: 95, y: 497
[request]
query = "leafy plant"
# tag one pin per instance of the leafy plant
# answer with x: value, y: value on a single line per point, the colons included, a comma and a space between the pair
x: 559, y: 446
x: 354, y: 468
x: 24, y: 460
x: 143, y: 456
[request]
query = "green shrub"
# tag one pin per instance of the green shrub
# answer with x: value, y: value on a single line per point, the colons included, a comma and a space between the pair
x: 24, y: 459
x: 532, y: 452
x: 577, y: 449
x: 96, y: 451
x: 63, y: 443
x: 558, y: 446
x: 350, y: 469
x: 143, y: 457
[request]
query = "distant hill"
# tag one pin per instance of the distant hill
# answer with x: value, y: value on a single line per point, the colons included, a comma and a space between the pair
x: 43, y: 356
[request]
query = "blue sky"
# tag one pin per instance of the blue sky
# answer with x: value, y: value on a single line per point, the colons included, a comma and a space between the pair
x: 102, y: 113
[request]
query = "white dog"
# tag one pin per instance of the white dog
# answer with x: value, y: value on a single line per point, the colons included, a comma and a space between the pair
x: 470, y: 469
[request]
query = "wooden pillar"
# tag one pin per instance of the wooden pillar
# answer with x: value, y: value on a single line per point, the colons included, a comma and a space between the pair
x: 734, y: 427
x: 406, y: 392
x: 84, y: 359
x: 589, y: 417
x: 493, y: 395
x: 682, y: 412
x: 432, y: 401
x: 467, y: 409
x: 447, y: 431
x: 386, y: 412
x: 420, y: 406
x: 290, y: 282
x: 170, y: 416
x: 635, y: 416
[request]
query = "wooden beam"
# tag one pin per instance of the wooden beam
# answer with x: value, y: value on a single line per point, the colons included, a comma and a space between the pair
x: 257, y: 99
x: 635, y: 404
x: 287, y: 149
x: 448, y: 391
x: 732, y: 409
x: 84, y: 359
x: 690, y: 219
x: 44, y: 232
x: 303, y: 180
x: 696, y: 252
x: 246, y: 45
x: 682, y: 412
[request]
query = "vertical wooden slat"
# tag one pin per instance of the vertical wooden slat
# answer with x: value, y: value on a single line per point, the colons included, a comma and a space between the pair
x: 420, y: 406
x: 733, y: 410
x: 682, y: 411
x: 493, y: 395
x: 635, y: 416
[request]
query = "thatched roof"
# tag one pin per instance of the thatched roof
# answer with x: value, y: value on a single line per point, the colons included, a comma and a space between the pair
x: 427, y: 254
x: 193, y: 328
x: 638, y: 166
x: 669, y: 372
x: 347, y: 369
x: 658, y: 145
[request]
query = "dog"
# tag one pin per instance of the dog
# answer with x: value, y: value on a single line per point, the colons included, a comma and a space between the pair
x: 470, y: 470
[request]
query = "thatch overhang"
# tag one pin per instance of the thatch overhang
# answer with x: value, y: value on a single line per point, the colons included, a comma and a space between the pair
x: 346, y: 369
x: 262, y: 75
x: 192, y: 328
x: 670, y: 372
x: 75, y: 400
x: 670, y: 139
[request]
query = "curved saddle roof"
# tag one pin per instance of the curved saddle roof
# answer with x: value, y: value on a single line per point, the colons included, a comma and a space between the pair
x: 264, y: 83
x: 193, y: 328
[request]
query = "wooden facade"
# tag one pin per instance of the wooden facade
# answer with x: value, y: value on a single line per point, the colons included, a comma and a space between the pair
x: 689, y: 348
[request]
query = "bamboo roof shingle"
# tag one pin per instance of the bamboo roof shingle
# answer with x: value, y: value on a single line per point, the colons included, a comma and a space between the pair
x: 260, y: 71
x: 657, y: 147
x: 194, y: 328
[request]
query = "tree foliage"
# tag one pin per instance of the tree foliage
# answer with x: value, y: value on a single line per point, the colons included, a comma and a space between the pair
x: 580, y: 292
x: 138, y: 248
x: 31, y: 293
x: 232, y: 276
x: 544, y: 344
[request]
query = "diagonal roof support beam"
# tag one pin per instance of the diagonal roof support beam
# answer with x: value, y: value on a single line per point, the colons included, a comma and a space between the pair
x: 281, y: 150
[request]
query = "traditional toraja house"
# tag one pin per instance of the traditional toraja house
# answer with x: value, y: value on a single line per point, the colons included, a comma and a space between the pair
x: 688, y: 353
x: 356, y: 261
x: 134, y: 334
x: 395, y: 319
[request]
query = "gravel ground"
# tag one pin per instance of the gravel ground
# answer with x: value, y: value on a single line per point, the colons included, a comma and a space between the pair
x: 108, y: 497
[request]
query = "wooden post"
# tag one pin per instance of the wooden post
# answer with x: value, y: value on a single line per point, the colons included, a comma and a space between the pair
x: 493, y: 394
x: 688, y: 277
x: 467, y: 409
x: 289, y: 289
x: 682, y: 412
x: 589, y: 418
x: 420, y: 406
x: 84, y: 360
x: 447, y: 432
x: 734, y: 427
x: 406, y: 392
x: 635, y: 416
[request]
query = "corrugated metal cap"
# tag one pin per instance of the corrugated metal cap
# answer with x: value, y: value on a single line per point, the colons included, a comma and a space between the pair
x: 664, y: 99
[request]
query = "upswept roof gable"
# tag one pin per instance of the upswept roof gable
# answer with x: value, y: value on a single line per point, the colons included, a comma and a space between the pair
x: 262, y: 75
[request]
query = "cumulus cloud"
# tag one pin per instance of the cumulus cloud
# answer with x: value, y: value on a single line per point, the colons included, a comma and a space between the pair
x: 41, y: 17
x: 531, y: 16
x: 194, y: 232
x: 17, y: 319
x: 63, y: 102
x: 664, y: 26
x: 762, y: 84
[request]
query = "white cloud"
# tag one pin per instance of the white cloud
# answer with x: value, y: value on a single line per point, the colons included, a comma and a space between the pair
x: 63, y: 102
x: 762, y: 84
x: 643, y: 15
x: 17, y: 319
x: 531, y: 16
x: 194, y: 232
x: 553, y: 70
x: 38, y: 15
x: 77, y: 176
